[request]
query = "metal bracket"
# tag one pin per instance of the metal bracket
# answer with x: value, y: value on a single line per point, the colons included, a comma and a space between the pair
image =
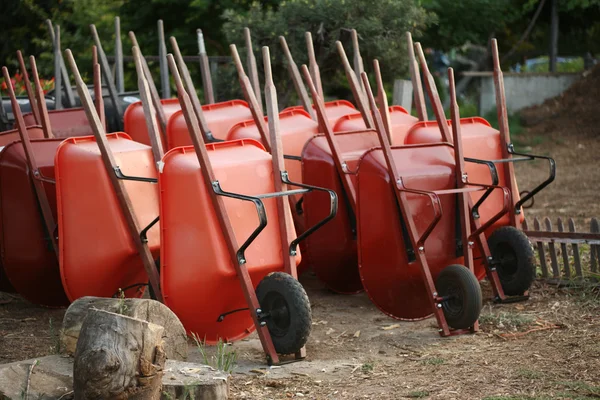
x: 144, y: 231
x: 120, y: 175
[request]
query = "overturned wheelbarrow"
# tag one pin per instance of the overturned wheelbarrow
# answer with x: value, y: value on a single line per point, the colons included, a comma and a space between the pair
x: 209, y: 194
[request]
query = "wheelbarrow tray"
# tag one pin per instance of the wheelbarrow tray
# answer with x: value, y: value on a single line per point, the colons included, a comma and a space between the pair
x: 220, y: 117
x: 134, y: 122
x: 296, y: 128
x: 65, y: 123
x: 29, y: 261
x: 392, y: 280
x: 332, y: 249
x: 480, y: 141
x: 199, y: 281
x: 97, y: 253
x: 7, y: 137
x: 334, y: 110
x: 401, y: 121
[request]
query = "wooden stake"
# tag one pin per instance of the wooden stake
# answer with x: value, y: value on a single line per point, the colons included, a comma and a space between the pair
x: 207, y: 85
x: 41, y: 101
x: 32, y: 102
x: 434, y: 96
x: 251, y: 98
x: 416, y: 80
x: 112, y: 90
x: 252, y: 69
x: 356, y: 87
x: 165, y: 84
x: 191, y: 90
x: 382, y: 101
x: 297, y: 79
x: 149, y: 110
x: 312, y: 64
x: 160, y: 112
x: 99, y: 100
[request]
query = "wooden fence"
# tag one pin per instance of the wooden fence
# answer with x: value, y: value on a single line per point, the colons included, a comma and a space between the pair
x: 568, y: 246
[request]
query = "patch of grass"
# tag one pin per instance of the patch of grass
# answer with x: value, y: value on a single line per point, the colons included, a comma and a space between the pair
x: 368, y: 367
x: 434, y: 361
x: 582, y: 389
x: 529, y: 374
x: 224, y: 359
x: 121, y: 306
x: 506, y: 320
x: 55, y: 337
x: 418, y: 394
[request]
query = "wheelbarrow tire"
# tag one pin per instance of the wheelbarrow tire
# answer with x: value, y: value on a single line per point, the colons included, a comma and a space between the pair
x: 283, y: 299
x: 463, y: 307
x: 512, y: 251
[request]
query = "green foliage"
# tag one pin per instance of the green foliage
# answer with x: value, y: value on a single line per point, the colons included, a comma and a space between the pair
x: 575, y: 65
x: 224, y: 359
x: 465, y: 21
x: 381, y: 26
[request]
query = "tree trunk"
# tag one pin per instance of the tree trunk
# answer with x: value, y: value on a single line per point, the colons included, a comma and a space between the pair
x: 554, y: 36
x: 118, y: 357
x: 174, y: 335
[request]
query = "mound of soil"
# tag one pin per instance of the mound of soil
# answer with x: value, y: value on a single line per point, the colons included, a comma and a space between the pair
x: 576, y: 112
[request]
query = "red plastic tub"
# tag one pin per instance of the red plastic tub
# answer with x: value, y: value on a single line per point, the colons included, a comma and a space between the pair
x: 392, y: 280
x: 65, y: 123
x: 220, y: 117
x: 333, y: 109
x: 134, y: 122
x: 199, y: 281
x: 401, y: 121
x: 97, y: 253
x: 28, y: 259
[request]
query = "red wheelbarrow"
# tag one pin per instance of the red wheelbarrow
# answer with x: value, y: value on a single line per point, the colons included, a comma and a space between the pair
x: 209, y: 279
x: 30, y: 247
x: 516, y: 268
x: 121, y: 206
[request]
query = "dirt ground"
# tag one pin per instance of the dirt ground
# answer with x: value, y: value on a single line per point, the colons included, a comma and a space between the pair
x: 544, y: 348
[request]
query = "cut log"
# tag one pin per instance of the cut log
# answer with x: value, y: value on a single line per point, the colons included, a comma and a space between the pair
x: 174, y: 336
x: 52, y: 378
x: 118, y: 357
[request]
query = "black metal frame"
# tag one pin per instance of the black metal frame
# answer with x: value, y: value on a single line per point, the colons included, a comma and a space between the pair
x: 120, y: 175
x: 262, y: 215
x: 529, y: 157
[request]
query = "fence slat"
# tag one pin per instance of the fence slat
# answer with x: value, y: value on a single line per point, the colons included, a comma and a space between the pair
x: 594, y: 249
x: 575, y: 248
x: 540, y: 248
x: 563, y: 250
x: 552, y: 250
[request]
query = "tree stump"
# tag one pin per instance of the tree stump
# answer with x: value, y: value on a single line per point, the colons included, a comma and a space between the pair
x: 118, y: 357
x: 174, y: 335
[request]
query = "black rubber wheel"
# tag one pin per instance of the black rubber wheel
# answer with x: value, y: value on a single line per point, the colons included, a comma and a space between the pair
x: 515, y: 260
x: 286, y: 306
x: 462, y: 293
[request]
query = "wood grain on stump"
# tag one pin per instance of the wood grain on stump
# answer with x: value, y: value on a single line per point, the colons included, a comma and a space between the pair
x: 118, y: 357
x: 174, y: 334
